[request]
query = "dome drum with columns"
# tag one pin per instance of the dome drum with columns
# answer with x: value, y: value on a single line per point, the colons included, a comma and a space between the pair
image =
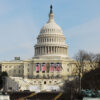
x: 51, y: 40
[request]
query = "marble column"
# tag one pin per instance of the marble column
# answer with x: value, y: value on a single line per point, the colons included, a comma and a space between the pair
x: 57, y: 50
x: 35, y: 51
x: 39, y: 50
x: 45, y: 50
x: 62, y: 50
x: 65, y: 51
x: 54, y: 49
x: 48, y: 50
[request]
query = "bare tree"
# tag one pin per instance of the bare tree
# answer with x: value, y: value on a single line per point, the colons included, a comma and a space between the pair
x: 85, y: 62
x: 97, y: 59
x: 80, y: 58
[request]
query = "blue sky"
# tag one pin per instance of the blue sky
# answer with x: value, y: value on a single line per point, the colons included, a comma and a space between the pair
x: 21, y: 21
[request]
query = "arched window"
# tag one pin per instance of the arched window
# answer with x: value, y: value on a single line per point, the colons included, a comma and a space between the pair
x: 44, y: 82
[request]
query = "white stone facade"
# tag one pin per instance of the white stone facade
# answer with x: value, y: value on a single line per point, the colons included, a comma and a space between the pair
x: 50, y: 48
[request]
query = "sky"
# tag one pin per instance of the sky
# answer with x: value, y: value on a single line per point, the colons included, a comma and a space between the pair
x: 21, y: 21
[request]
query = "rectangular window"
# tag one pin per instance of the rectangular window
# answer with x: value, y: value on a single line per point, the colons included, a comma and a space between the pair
x: 28, y: 70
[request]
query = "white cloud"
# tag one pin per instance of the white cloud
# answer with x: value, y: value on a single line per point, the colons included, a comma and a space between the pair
x: 85, y: 36
x: 91, y: 27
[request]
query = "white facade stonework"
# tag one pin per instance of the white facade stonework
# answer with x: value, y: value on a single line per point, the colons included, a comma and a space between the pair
x: 50, y: 48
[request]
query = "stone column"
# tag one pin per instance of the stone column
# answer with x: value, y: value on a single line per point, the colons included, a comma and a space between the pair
x: 35, y: 51
x: 39, y: 50
x: 48, y: 50
x: 62, y: 50
x: 54, y: 49
x: 65, y: 51
x: 42, y: 50
x: 57, y: 49
x: 45, y: 50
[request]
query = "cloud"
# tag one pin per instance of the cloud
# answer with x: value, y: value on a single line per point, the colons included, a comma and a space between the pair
x: 91, y: 27
x: 85, y: 36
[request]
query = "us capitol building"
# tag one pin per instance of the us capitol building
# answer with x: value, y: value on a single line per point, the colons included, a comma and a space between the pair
x: 49, y: 67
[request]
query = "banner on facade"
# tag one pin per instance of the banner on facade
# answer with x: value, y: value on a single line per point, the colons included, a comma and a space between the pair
x: 52, y: 66
x: 37, y: 67
x: 43, y: 67
x: 58, y: 67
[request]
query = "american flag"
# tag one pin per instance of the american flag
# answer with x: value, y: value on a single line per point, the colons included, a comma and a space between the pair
x: 43, y: 68
x: 52, y: 67
x: 37, y: 67
x: 58, y: 67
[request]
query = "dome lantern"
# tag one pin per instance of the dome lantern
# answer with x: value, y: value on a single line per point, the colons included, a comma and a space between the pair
x: 51, y: 15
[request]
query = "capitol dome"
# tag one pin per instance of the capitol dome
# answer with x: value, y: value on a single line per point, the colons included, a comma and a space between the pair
x: 51, y: 27
x: 51, y: 40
